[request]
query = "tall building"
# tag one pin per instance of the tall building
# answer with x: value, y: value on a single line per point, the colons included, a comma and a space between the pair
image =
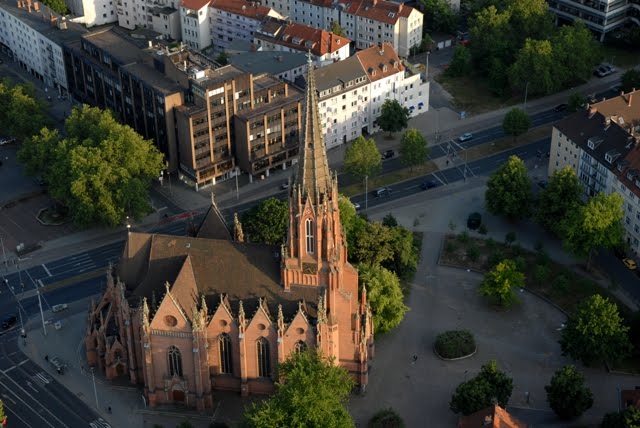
x: 185, y: 316
x: 602, y: 145
x: 600, y: 16
x: 93, y: 12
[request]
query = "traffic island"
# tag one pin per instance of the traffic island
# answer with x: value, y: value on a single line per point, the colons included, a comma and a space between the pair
x: 455, y: 345
x: 52, y: 216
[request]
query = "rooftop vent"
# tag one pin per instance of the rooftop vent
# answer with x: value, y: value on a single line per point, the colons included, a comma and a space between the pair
x: 296, y: 40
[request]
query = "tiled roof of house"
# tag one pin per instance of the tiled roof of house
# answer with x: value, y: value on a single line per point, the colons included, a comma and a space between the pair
x: 491, y: 417
x: 194, y: 4
x: 302, y: 37
x: 630, y: 397
x: 380, y: 61
x: 337, y: 74
x: 379, y: 10
x: 251, y: 10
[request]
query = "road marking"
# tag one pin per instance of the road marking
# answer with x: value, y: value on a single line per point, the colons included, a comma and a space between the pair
x: 22, y: 362
x: 9, y: 369
x: 37, y: 412
x: 99, y: 423
x: 31, y: 386
x: 46, y: 270
x: 444, y: 183
x: 6, y: 397
x: 41, y: 377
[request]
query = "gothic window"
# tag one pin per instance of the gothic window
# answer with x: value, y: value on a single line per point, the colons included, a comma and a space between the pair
x: 300, y: 346
x: 310, y: 238
x: 225, y: 353
x: 264, y: 359
x: 175, y: 361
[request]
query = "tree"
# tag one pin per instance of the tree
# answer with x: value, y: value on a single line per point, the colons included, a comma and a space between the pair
x: 440, y: 16
x: 627, y: 418
x: 509, y: 190
x: 387, y: 418
x: 3, y: 417
x: 384, y: 295
x: 596, y: 224
x: 348, y: 214
x: 337, y: 29
x: 101, y: 171
x: 21, y: 113
x: 498, y: 283
x: 596, y: 333
x: 362, y: 158
x: 393, y: 117
x: 413, y: 148
x: 575, y: 52
x: 559, y: 200
x: 630, y: 80
x: 222, y: 58
x: 576, y: 101
x: 267, y: 222
x: 460, y: 64
x: 516, y: 122
x: 57, y: 5
x: 567, y: 394
x: 310, y: 392
x: 404, y: 259
x: 534, y: 69
x: 370, y: 242
x: 478, y: 393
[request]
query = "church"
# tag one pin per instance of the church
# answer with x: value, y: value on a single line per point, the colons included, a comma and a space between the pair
x: 187, y: 315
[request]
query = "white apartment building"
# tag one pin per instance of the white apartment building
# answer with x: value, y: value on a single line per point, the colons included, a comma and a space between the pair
x: 233, y: 20
x: 284, y: 36
x: 602, y: 144
x: 602, y: 16
x: 367, y: 22
x: 33, y: 36
x: 93, y: 12
x: 162, y: 16
x: 194, y: 19
x: 351, y: 92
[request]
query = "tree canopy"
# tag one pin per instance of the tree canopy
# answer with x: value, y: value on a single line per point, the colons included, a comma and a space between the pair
x: 267, y: 222
x: 413, y: 148
x: 595, y: 333
x: 576, y: 101
x: 596, y: 224
x: 534, y: 69
x: 460, y: 64
x: 498, y: 284
x: 516, y: 122
x: 440, y: 17
x: 478, y: 393
x: 630, y: 80
x: 362, y: 158
x: 627, y: 418
x: 222, y: 58
x: 21, y: 113
x: 567, y: 394
x: 384, y: 295
x: 393, y: 116
x: 57, y: 5
x: 310, y: 392
x: 509, y: 190
x: 559, y: 200
x: 101, y: 170
x: 337, y: 29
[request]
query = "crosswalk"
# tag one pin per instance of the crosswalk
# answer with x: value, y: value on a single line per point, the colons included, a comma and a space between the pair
x: 99, y: 423
x: 42, y: 378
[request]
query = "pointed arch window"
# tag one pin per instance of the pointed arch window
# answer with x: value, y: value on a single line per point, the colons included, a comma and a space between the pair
x: 300, y: 346
x: 310, y: 237
x: 224, y: 343
x: 175, y: 361
x: 264, y: 358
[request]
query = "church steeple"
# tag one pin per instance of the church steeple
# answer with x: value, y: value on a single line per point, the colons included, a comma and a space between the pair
x: 313, y: 178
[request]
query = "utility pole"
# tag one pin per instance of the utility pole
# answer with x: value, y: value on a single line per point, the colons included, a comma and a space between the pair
x: 44, y: 327
x: 4, y: 254
x: 366, y: 192
x: 95, y: 391
x: 237, y: 189
x: 526, y: 91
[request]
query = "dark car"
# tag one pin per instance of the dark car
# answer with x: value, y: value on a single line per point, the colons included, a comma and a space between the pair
x: 543, y: 184
x: 381, y: 192
x: 388, y: 154
x: 8, y: 321
x: 560, y: 107
x: 474, y: 221
x: 429, y: 184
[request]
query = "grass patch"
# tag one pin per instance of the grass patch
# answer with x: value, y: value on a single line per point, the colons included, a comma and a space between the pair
x: 472, y: 94
x: 552, y: 280
x: 389, y: 179
x: 620, y: 57
x: 506, y: 143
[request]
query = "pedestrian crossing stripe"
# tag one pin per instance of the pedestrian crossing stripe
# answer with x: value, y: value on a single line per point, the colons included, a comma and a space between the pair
x: 99, y: 423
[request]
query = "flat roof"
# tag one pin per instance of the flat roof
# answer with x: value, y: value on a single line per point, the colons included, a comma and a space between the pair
x: 213, y: 77
x: 117, y: 45
x: 268, y: 62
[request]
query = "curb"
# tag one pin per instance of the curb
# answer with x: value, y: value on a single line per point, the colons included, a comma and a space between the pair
x: 464, y: 357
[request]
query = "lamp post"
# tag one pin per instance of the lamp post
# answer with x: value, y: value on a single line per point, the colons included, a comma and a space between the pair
x: 427, y: 66
x: 95, y: 391
x: 526, y: 91
x: 237, y: 189
x: 366, y: 192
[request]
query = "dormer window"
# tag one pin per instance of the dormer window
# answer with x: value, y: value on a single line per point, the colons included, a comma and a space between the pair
x: 593, y: 143
x: 310, y: 236
x: 611, y: 156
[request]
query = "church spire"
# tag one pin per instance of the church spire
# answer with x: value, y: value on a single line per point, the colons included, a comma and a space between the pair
x: 313, y: 176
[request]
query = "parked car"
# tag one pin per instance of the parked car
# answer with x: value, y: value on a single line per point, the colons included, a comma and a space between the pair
x: 59, y: 308
x: 284, y: 185
x: 58, y: 364
x: 6, y: 140
x: 474, y: 220
x: 356, y: 205
x: 388, y: 154
x: 630, y: 263
x: 465, y: 137
x: 382, y: 192
x: 428, y: 184
x: 560, y: 107
x: 8, y: 321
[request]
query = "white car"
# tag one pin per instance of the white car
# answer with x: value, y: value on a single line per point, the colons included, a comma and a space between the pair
x: 356, y: 205
x: 465, y: 137
x: 7, y: 140
x: 59, y: 308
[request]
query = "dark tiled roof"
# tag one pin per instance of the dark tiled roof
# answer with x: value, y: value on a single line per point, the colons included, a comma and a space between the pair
x: 213, y: 226
x: 339, y: 73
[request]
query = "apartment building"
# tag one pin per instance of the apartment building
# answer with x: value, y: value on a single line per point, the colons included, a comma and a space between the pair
x: 601, y: 16
x: 233, y: 20
x: 93, y: 12
x: 162, y: 16
x: 283, y: 65
x: 351, y: 92
x: 284, y: 36
x: 195, y: 24
x: 366, y: 22
x: 602, y: 144
x: 33, y: 35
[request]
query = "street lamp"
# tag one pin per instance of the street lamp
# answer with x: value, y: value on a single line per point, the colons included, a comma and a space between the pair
x: 526, y: 91
x: 366, y: 192
x: 95, y: 391
x: 427, y: 66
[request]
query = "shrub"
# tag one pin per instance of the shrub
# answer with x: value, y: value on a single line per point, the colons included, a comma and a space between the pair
x: 455, y: 344
x: 494, y: 258
x: 490, y: 243
x: 450, y: 247
x: 542, y: 258
x: 561, y: 283
x: 539, y: 246
x: 521, y: 263
x: 541, y: 273
x: 482, y: 230
x: 463, y: 238
x: 473, y: 253
x: 387, y: 418
x: 510, y: 238
x: 516, y: 250
x: 389, y: 220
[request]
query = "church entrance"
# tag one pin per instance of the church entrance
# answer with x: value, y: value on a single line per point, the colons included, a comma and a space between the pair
x: 120, y: 369
x: 178, y: 396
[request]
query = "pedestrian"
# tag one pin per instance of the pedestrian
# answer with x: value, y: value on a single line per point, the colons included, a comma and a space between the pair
x: 447, y: 162
x: 46, y: 357
x: 109, y: 409
x: 415, y: 358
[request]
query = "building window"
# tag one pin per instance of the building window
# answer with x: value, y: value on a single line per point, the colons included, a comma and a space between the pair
x: 264, y: 360
x: 175, y: 361
x: 310, y: 238
x: 225, y: 353
x: 300, y: 346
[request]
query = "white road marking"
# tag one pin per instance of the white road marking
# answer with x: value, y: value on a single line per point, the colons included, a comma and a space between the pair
x: 46, y: 270
x: 31, y: 386
x: 41, y: 377
x: 9, y: 369
x: 23, y: 361
x: 37, y: 412
x: 444, y: 183
x: 6, y: 397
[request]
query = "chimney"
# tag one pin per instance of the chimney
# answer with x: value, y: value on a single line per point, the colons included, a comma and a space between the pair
x: 592, y: 110
x: 488, y: 420
x: 150, y: 44
x: 36, y: 6
x: 399, y: 7
x: 29, y: 5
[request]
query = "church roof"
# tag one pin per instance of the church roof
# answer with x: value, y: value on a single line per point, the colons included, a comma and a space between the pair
x: 213, y: 226
x: 313, y: 174
x: 196, y: 266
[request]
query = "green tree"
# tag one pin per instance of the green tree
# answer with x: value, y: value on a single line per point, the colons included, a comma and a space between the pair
x: 310, y: 392
x: 404, y: 259
x: 509, y: 190
x: 576, y: 101
x: 393, y: 117
x: 516, y: 122
x: 440, y: 16
x: 559, y: 200
x: 567, y: 394
x: 498, y: 284
x: 384, y: 295
x: 267, y: 222
x: 387, y: 418
x: 37, y: 152
x: 21, y: 113
x: 362, y: 158
x: 337, y: 29
x: 3, y: 417
x: 348, y: 214
x: 57, y: 5
x: 460, y: 64
x: 534, y: 70
x: 491, y: 39
x: 478, y: 393
x: 529, y: 19
x: 596, y: 224
x: 222, y: 58
x: 596, y: 333
x: 413, y: 148
x: 575, y: 51
x: 370, y: 242
x: 630, y: 80
x: 627, y: 418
